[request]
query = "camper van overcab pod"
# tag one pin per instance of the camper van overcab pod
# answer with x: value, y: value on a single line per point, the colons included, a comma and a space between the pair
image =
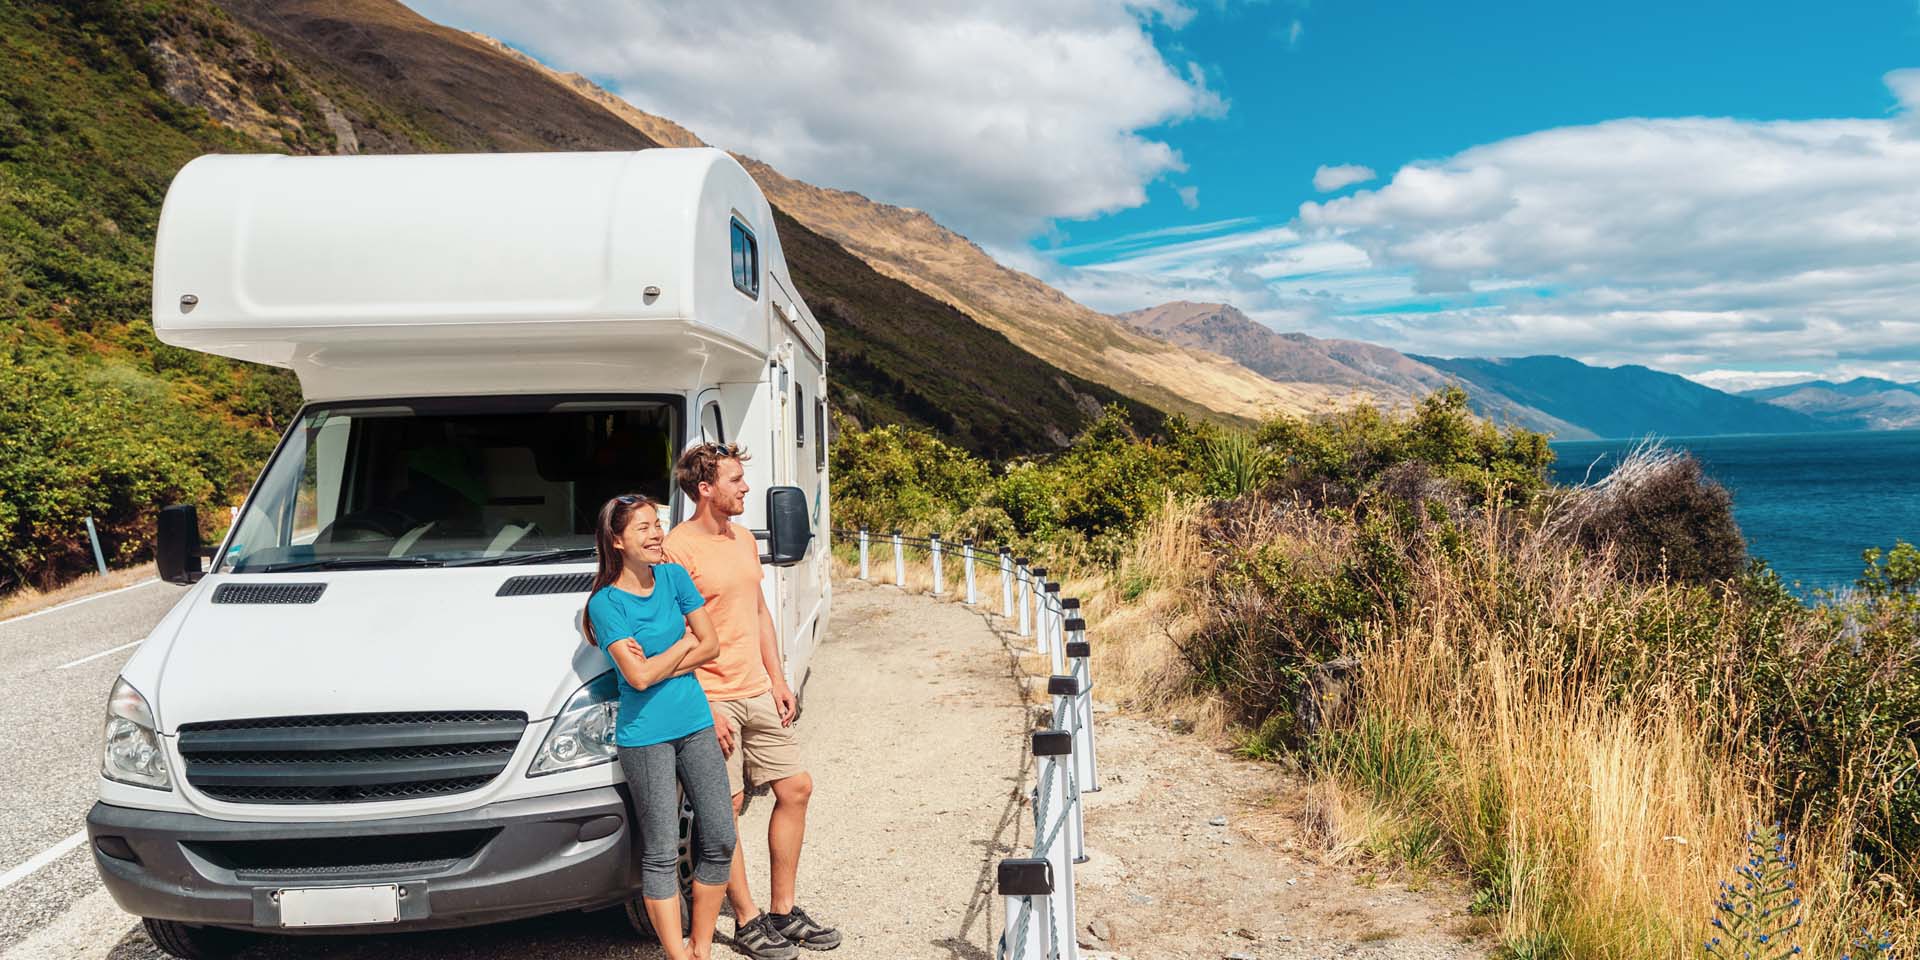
x: 374, y: 708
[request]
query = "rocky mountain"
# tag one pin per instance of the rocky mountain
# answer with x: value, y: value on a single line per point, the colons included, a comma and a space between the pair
x: 1621, y: 402
x: 1356, y: 371
x: 911, y: 247
x: 1863, y: 403
x: 1564, y: 397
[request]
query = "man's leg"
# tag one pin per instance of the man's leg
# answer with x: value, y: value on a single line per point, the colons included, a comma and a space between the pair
x: 786, y: 832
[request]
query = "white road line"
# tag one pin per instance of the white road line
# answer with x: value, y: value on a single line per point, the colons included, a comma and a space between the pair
x: 88, y: 930
x: 96, y: 656
x: 41, y: 859
x: 74, y: 603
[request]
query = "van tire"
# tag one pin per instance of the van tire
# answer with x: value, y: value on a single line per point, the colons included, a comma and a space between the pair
x: 636, y: 910
x: 193, y: 943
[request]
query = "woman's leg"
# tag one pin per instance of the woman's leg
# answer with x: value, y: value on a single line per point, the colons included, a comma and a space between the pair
x: 703, y: 774
x: 650, y: 772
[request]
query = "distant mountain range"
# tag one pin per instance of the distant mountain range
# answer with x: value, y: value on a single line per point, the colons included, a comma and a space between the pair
x: 1863, y: 403
x: 1558, y: 395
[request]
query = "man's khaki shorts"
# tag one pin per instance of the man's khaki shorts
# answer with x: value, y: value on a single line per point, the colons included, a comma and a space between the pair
x: 763, y: 750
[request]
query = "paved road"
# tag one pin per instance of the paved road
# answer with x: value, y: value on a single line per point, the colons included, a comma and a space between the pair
x: 913, y: 804
x: 51, y: 710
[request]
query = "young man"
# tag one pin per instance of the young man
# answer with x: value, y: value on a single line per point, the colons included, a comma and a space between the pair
x: 753, y: 707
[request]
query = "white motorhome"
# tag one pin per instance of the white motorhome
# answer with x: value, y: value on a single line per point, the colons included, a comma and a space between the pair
x: 374, y: 709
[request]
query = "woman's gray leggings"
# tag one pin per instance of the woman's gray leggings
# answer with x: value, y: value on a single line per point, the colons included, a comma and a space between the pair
x: 693, y: 762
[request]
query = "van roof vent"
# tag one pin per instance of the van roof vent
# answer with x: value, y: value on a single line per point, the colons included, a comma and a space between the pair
x: 268, y: 592
x: 544, y: 584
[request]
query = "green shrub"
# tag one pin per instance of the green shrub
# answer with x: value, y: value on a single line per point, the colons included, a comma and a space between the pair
x: 898, y: 477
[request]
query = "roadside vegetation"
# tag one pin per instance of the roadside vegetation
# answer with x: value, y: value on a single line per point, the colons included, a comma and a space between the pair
x: 1583, y: 701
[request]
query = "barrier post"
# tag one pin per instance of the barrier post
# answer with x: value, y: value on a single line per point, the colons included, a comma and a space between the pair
x: 1006, y: 582
x: 1069, y: 610
x: 1080, y: 666
x: 1052, y: 829
x: 863, y: 553
x: 1052, y: 591
x: 1020, y: 574
x: 899, y: 563
x: 1027, y: 885
x: 93, y: 537
x: 1065, y: 691
x: 966, y: 550
x: 1037, y: 585
x: 933, y: 541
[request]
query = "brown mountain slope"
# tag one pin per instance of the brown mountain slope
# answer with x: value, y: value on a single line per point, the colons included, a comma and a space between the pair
x: 406, y: 84
x: 1369, y: 372
x: 911, y: 247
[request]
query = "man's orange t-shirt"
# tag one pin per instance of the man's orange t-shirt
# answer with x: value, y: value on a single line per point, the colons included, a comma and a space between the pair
x: 727, y: 571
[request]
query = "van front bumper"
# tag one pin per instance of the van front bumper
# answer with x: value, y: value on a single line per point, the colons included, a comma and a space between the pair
x: 504, y: 861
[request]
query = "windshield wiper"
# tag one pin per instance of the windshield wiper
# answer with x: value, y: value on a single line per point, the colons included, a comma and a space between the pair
x: 542, y: 556
x: 347, y: 563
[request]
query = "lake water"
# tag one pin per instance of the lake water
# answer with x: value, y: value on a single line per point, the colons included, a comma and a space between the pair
x: 1808, y: 503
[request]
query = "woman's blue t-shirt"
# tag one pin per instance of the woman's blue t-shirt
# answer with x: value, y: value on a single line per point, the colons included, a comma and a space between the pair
x: 674, y: 707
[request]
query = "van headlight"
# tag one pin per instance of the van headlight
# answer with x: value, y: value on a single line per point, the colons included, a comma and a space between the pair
x: 133, y: 753
x: 582, y: 733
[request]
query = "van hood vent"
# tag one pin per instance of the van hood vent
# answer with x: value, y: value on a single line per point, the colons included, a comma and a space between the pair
x: 268, y: 592
x: 544, y: 584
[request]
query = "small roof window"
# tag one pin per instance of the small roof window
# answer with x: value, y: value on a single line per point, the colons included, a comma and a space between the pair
x: 746, y: 261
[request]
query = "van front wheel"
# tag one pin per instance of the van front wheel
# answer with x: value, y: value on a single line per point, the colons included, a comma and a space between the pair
x: 194, y: 943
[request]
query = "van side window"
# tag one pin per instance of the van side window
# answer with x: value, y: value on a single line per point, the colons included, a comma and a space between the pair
x: 711, y: 430
x: 799, y: 417
x: 820, y: 434
x: 746, y: 261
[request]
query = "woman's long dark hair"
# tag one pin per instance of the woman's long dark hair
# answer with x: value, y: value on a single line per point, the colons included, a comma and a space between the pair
x: 614, y: 515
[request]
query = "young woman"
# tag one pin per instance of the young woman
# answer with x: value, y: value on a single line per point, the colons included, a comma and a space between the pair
x: 638, y: 615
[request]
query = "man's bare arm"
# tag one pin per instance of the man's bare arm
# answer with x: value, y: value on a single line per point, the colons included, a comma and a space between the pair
x: 783, y: 699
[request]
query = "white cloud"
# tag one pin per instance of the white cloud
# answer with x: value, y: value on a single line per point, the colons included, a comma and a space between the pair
x: 997, y: 116
x: 1328, y: 179
x: 1734, y: 381
x: 1690, y: 244
x: 1189, y: 197
x: 1294, y: 30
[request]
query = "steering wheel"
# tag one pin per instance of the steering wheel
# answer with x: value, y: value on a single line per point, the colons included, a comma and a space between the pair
x: 376, y: 523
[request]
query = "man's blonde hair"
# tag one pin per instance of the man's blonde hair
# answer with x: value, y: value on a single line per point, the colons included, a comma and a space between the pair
x: 701, y: 464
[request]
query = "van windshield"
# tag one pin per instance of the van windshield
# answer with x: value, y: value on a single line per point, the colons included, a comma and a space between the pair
x: 446, y: 482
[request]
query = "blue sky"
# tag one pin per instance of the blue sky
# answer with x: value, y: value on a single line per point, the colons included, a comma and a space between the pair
x: 1384, y: 84
x: 1729, y: 191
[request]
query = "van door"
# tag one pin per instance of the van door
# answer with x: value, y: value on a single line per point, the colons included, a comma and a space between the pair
x: 802, y: 459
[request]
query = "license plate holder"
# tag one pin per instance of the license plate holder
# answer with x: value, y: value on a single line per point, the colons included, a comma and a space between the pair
x: 339, y: 906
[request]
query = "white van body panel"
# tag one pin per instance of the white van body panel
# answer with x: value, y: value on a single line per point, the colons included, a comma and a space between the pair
x: 378, y: 276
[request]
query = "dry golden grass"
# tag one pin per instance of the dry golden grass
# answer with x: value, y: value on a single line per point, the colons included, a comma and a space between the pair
x: 27, y: 600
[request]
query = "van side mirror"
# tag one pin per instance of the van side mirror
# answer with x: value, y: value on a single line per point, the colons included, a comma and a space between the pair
x: 177, y: 544
x: 789, y: 526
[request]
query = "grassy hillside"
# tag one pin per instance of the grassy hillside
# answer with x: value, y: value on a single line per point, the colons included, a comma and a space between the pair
x: 102, y: 100
x: 96, y: 417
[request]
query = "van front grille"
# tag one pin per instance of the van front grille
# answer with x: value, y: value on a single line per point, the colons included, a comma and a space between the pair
x: 343, y: 857
x: 349, y: 758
